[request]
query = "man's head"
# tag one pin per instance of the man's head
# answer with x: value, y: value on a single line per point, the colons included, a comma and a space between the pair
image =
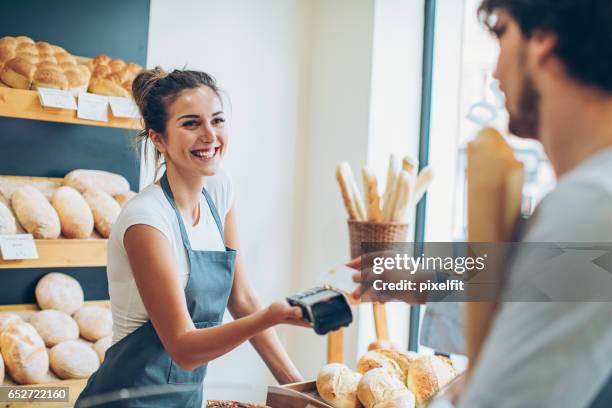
x: 545, y: 43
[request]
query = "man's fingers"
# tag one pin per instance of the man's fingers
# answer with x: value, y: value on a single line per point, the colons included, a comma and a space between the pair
x: 354, y: 263
x: 357, y: 277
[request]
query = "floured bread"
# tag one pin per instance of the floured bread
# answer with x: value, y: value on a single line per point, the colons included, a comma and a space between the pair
x: 110, y: 183
x: 24, y: 354
x: 380, y: 388
x: 94, y: 322
x: 60, y: 292
x: 104, y: 208
x: 54, y: 326
x: 8, y: 224
x: 102, y: 345
x: 35, y: 213
x: 6, y: 319
x: 375, y: 359
x: 427, y: 375
x: 337, y: 385
x: 72, y: 359
x: 75, y: 215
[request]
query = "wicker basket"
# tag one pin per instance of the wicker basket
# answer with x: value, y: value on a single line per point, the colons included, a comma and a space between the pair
x: 360, y: 231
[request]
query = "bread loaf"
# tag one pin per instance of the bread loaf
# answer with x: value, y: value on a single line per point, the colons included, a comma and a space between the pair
x: 94, y: 322
x: 54, y: 327
x: 372, y: 198
x: 24, y: 354
x: 108, y: 182
x: 1, y: 369
x: 337, y: 385
x: 75, y: 215
x: 101, y: 346
x: 378, y: 387
x: 105, y: 210
x: 72, y: 359
x: 402, y: 358
x: 8, y: 224
x: 7, y: 319
x: 35, y: 213
x: 123, y: 198
x: 60, y: 292
x: 373, y: 359
x: 347, y: 191
x: 427, y: 375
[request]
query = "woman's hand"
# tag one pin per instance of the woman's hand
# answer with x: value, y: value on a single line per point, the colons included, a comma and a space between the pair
x: 284, y: 313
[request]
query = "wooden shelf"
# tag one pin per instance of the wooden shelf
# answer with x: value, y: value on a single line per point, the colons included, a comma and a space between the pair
x: 24, y: 104
x: 58, y: 253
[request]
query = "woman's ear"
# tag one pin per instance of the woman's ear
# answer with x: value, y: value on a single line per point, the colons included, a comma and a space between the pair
x: 158, y: 141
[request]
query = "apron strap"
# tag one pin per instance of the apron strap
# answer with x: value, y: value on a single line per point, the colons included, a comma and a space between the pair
x: 165, y: 185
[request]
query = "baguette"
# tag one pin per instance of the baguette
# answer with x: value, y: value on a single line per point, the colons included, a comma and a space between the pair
x: 104, y: 208
x: 410, y: 164
x: 356, y: 195
x: 401, y: 199
x: 423, y: 181
x: 392, y: 174
x: 347, y: 194
x: 110, y: 183
x: 372, y: 197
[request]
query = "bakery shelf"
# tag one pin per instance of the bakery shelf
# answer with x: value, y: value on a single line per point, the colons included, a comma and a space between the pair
x: 56, y: 253
x: 25, y: 104
x: 75, y: 387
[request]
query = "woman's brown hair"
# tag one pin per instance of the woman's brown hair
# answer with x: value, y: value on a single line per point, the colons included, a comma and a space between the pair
x: 155, y: 90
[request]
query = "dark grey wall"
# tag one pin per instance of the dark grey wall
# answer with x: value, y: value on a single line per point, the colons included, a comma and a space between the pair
x: 118, y: 28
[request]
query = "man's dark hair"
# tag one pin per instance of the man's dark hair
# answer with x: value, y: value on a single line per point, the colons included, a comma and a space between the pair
x: 583, y: 29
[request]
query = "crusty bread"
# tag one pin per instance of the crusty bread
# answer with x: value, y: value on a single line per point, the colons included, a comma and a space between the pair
x: 18, y: 72
x: 110, y: 183
x: 24, y: 354
x: 54, y: 327
x: 8, y: 224
x: 72, y: 359
x: 101, y: 346
x: 402, y: 400
x: 372, y: 198
x: 402, y: 358
x: 60, y: 292
x: 423, y: 181
x: 374, y: 359
x: 381, y: 344
x: 94, y: 322
x: 7, y: 319
x: 35, y: 213
x: 427, y: 375
x: 75, y: 215
x: 122, y: 199
x: 49, y: 78
x: 401, y: 197
x: 104, y: 208
x: 378, y: 386
x: 107, y: 87
x: 337, y: 385
x: 347, y: 191
x: 392, y: 175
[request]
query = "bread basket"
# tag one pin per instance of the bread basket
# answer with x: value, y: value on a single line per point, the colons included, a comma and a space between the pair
x: 378, y: 232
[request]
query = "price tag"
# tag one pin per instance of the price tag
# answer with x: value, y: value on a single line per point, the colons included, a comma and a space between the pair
x: 56, y: 98
x: 19, y: 246
x: 123, y: 107
x: 93, y: 107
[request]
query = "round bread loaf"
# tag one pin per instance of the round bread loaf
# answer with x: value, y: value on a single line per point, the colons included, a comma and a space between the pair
x: 102, y: 345
x: 337, y: 385
x: 374, y: 359
x: 427, y: 375
x: 54, y: 327
x: 104, y: 208
x: 60, y: 292
x: 6, y: 319
x: 24, y: 353
x: 72, y: 359
x: 8, y: 224
x: 403, y: 400
x: 84, y: 180
x: 35, y: 213
x: 94, y: 322
x: 379, y: 386
x: 75, y: 215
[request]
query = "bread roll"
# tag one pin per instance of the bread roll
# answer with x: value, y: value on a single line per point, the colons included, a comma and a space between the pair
x: 54, y: 326
x: 104, y: 208
x: 49, y: 78
x: 427, y: 375
x: 72, y: 359
x: 18, y: 72
x: 24, y: 354
x: 35, y: 213
x: 103, y: 86
x: 8, y: 224
x: 122, y: 199
x: 75, y: 215
x: 110, y: 183
x: 6, y: 319
x: 94, y: 322
x: 373, y: 359
x: 101, y: 346
x: 402, y: 400
x: 381, y: 344
x: 60, y: 292
x: 337, y: 385
x: 378, y: 387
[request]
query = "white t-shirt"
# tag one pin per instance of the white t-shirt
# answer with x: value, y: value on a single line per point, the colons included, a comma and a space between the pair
x: 150, y: 207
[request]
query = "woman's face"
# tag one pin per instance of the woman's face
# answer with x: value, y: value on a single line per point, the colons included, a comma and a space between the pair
x: 195, y: 132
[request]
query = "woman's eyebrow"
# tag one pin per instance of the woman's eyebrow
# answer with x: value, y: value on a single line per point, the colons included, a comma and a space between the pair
x: 190, y: 116
x: 217, y: 113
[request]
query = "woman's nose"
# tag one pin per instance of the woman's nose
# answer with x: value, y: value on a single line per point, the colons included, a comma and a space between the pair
x: 208, y: 133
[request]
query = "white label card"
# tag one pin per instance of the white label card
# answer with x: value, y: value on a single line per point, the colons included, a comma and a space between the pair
x: 56, y: 98
x: 340, y: 277
x: 123, y: 107
x: 93, y: 107
x: 19, y: 246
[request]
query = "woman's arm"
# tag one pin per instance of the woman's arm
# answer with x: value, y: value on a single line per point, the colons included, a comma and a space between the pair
x: 163, y: 296
x: 244, y: 302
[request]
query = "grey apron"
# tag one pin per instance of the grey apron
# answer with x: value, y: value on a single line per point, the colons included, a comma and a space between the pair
x: 140, y: 360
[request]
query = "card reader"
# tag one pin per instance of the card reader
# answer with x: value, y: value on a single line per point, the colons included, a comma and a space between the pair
x: 326, y: 309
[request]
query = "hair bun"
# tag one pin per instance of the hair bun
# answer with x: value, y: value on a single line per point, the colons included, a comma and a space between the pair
x: 144, y: 82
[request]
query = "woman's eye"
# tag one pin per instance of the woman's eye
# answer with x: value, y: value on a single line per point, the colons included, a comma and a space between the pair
x: 191, y: 123
x: 218, y: 121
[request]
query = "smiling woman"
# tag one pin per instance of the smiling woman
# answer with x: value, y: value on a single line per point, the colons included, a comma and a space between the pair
x: 173, y: 265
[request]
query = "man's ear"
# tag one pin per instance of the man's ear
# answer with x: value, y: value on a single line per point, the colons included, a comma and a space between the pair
x: 158, y: 141
x: 541, y: 48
